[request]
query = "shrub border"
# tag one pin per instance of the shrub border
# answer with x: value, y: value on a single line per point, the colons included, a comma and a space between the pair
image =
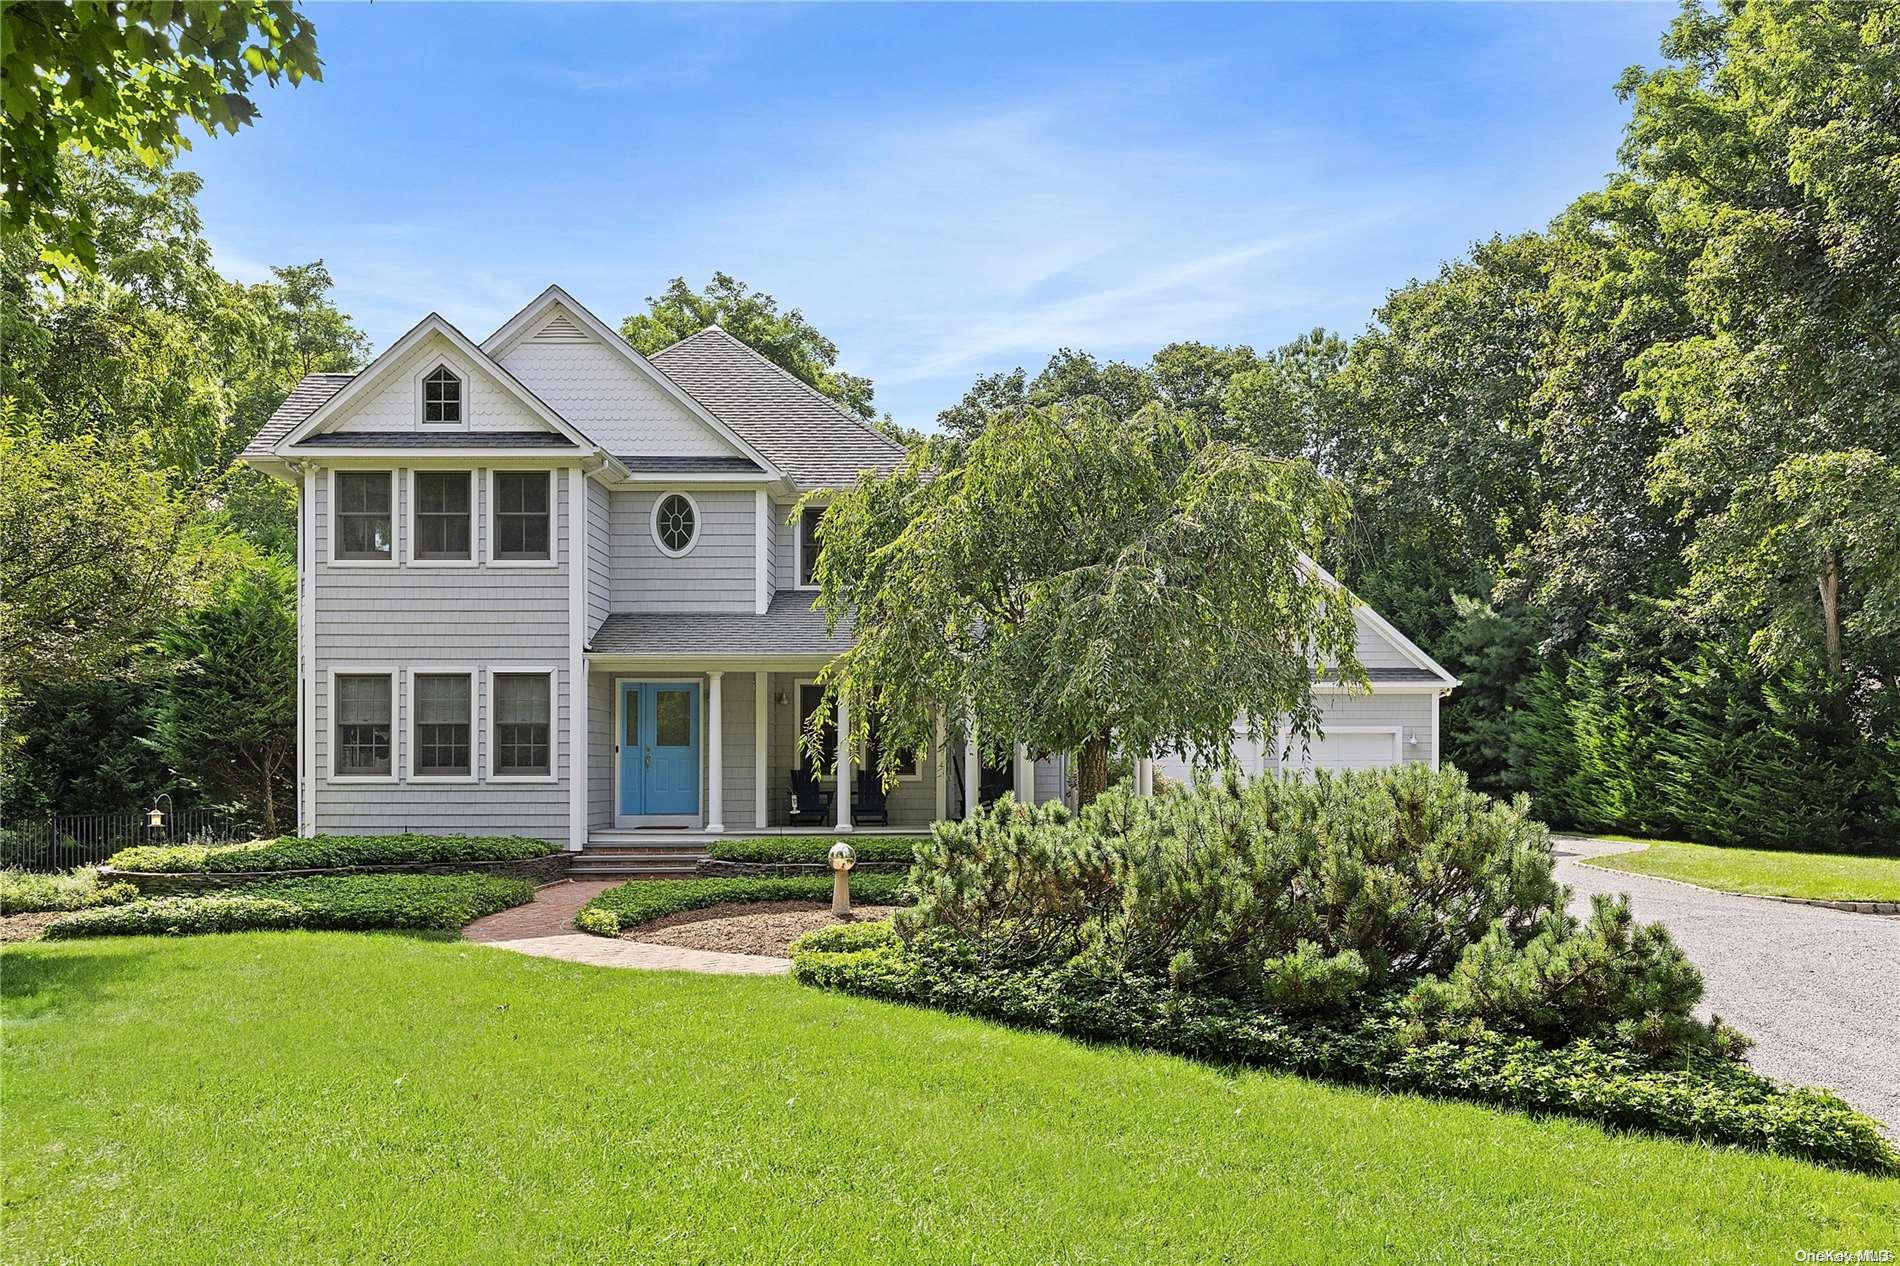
x: 538, y: 870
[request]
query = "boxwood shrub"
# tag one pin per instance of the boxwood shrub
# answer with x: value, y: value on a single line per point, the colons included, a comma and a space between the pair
x: 643, y: 900
x: 23, y: 892
x: 815, y: 849
x: 343, y: 902
x: 319, y: 852
x: 442, y: 902
x: 178, y: 916
x: 1704, y: 1098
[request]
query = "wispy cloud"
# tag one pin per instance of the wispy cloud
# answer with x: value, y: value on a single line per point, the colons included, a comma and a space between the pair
x: 956, y: 244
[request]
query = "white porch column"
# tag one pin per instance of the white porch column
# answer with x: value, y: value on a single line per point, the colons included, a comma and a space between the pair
x: 1023, y: 776
x: 846, y: 780
x: 715, y: 752
x: 1145, y: 776
x: 943, y: 769
x: 972, y: 765
x: 760, y: 766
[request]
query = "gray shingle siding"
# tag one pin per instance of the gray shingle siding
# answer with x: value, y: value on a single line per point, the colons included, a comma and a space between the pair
x: 485, y: 618
x: 599, y: 556
x: 718, y: 574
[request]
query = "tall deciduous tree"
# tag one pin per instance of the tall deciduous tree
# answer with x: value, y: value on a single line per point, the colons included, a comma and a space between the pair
x: 120, y: 77
x: 1770, y: 150
x: 1083, y: 580
x: 753, y: 317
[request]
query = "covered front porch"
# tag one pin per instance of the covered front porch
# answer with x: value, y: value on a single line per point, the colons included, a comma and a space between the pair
x: 679, y: 752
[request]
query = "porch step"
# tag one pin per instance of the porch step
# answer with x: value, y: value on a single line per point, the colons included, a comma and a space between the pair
x: 646, y: 860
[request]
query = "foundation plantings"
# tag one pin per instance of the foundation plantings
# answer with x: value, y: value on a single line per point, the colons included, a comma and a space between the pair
x: 1393, y: 929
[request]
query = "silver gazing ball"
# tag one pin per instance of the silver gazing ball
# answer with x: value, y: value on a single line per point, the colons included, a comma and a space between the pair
x: 843, y: 856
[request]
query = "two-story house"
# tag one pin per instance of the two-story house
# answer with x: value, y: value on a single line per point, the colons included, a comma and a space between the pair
x: 549, y: 586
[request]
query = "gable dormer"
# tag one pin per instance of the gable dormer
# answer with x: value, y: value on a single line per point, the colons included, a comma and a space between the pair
x: 431, y: 385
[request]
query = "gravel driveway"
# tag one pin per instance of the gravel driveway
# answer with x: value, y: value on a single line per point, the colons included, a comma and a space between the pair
x: 1818, y: 989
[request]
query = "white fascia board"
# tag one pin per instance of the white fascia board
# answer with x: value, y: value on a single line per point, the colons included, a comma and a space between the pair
x: 1405, y: 645
x: 379, y: 369
x: 496, y: 344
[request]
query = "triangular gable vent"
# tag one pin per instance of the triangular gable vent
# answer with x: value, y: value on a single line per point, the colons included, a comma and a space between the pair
x: 560, y: 329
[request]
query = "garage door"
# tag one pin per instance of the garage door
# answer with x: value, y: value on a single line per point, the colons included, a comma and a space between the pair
x: 1349, y: 749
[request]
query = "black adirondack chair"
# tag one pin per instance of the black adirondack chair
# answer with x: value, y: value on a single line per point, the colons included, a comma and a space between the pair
x: 811, y: 803
x: 871, y: 807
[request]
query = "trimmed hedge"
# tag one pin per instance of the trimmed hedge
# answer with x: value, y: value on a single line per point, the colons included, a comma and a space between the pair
x: 319, y: 852
x: 336, y: 902
x: 178, y: 916
x: 814, y: 849
x: 643, y: 900
x: 24, y: 892
x: 1707, y: 1099
x: 443, y: 902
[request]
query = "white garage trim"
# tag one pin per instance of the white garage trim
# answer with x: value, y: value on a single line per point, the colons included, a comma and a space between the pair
x: 1302, y: 757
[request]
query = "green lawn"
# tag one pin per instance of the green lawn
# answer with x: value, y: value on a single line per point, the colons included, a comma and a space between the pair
x: 1765, y: 872
x: 305, y: 1097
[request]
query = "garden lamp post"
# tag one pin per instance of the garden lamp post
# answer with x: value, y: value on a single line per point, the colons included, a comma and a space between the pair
x: 155, y: 819
x: 843, y: 858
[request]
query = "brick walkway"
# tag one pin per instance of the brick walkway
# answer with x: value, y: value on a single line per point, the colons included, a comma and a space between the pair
x: 545, y: 928
x: 551, y: 913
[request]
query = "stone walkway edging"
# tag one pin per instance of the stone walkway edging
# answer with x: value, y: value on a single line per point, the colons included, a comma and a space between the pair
x: 1851, y: 907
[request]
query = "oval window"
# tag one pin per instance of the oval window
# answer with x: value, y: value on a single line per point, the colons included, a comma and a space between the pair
x: 675, y: 523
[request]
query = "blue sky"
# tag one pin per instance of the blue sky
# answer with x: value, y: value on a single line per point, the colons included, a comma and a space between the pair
x: 945, y: 191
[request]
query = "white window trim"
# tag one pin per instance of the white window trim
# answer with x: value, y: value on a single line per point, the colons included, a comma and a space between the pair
x: 470, y: 671
x: 395, y: 517
x: 414, y: 517
x: 653, y: 521
x: 554, y: 722
x: 798, y: 547
x: 395, y: 725
x: 494, y: 512
x: 420, y: 390
x: 860, y: 728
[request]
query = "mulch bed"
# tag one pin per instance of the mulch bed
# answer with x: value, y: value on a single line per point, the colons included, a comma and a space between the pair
x: 747, y: 927
x: 25, y: 927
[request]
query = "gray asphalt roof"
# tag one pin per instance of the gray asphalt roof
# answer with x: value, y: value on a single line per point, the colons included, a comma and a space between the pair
x: 705, y: 465
x: 800, y: 430
x: 304, y: 399
x: 789, y: 627
x: 440, y: 439
x: 1396, y: 675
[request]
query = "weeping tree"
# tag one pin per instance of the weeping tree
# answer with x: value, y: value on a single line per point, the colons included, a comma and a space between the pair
x: 1075, y: 580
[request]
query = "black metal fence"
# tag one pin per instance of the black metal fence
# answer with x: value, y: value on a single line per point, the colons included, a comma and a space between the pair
x: 86, y: 839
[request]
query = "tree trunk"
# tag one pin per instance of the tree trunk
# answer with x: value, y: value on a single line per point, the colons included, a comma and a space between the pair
x: 270, y: 800
x: 1091, y: 776
x: 1830, y: 584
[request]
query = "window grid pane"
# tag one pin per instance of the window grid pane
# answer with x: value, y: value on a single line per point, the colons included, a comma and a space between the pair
x: 443, y: 515
x: 363, y: 515
x: 522, y: 521
x: 442, y: 397
x: 808, y: 542
x: 363, y: 725
x: 523, y: 724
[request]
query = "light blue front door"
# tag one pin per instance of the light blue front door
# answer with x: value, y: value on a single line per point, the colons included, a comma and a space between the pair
x: 659, y: 751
